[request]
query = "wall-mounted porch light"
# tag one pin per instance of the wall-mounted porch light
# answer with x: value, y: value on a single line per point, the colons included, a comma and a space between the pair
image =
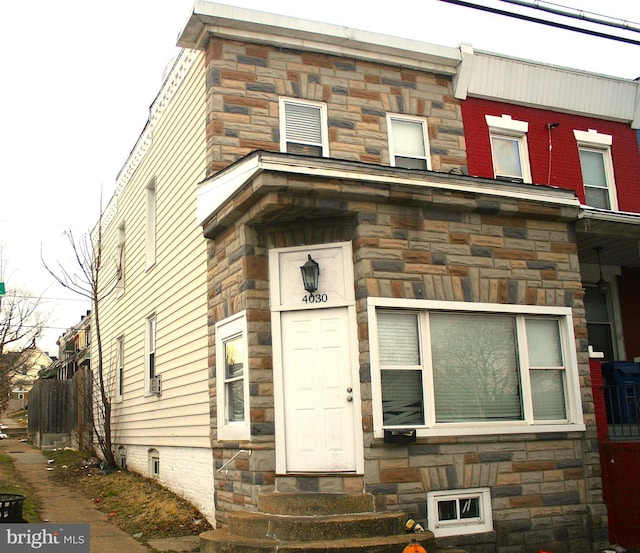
x: 310, y: 273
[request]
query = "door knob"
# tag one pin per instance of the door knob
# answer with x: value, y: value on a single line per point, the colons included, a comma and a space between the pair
x: 349, y: 389
x: 349, y: 398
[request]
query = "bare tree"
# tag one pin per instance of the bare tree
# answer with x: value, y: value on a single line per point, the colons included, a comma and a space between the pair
x: 86, y: 280
x: 21, y: 324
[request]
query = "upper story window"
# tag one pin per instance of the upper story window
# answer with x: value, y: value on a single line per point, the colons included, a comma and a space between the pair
x: 120, y: 258
x: 408, y: 142
x: 597, y: 169
x: 303, y: 127
x: 119, y: 367
x: 232, y: 378
x: 150, y: 230
x: 509, y: 149
x: 443, y: 368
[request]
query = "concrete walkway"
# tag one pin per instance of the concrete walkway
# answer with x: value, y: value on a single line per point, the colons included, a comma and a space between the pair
x: 60, y: 503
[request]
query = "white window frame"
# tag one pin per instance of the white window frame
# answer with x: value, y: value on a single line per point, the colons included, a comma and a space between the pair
x: 151, y: 358
x: 321, y: 107
x: 120, y: 260
x: 573, y: 403
x: 594, y: 141
x: 509, y: 129
x: 228, y: 329
x: 391, y: 117
x: 150, y: 224
x: 154, y: 463
x: 119, y: 368
x: 442, y: 528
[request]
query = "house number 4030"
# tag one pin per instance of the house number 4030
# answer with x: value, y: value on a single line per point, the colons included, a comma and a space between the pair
x: 315, y: 298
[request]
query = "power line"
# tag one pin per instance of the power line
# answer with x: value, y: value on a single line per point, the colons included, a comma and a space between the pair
x: 577, y: 13
x: 547, y: 22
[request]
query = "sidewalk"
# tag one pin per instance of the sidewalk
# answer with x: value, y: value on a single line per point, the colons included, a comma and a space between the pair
x: 59, y: 503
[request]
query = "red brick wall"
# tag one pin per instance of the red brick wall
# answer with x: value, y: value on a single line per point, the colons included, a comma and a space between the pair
x: 621, y: 483
x: 565, y: 163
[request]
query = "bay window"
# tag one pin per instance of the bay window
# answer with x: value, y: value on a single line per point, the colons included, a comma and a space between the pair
x: 442, y: 367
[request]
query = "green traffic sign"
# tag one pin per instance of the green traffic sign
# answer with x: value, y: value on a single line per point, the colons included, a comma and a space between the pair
x: 2, y: 292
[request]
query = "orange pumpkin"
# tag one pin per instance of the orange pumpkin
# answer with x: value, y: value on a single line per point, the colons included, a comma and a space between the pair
x: 414, y: 547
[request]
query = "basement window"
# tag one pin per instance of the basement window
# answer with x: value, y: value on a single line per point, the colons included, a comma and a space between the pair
x: 457, y: 512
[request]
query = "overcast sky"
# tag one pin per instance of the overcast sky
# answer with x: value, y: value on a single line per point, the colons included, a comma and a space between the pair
x: 78, y: 77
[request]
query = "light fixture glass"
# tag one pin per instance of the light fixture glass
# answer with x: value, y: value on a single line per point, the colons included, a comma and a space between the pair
x: 601, y: 285
x: 310, y: 275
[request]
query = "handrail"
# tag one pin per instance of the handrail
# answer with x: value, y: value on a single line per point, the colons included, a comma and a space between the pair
x: 233, y: 458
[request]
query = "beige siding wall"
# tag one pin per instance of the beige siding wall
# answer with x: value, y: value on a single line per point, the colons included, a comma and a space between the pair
x: 174, y: 289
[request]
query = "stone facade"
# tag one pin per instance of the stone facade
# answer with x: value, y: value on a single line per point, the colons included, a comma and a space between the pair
x: 245, y: 81
x: 409, y: 241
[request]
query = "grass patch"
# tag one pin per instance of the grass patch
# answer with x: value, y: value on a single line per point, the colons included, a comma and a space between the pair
x: 10, y: 482
x: 136, y: 504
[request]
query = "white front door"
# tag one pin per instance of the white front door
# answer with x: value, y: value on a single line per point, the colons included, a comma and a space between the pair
x: 319, y: 417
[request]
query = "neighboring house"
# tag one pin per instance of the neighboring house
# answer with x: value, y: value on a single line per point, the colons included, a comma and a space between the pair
x: 26, y: 369
x: 576, y: 130
x: 74, y: 348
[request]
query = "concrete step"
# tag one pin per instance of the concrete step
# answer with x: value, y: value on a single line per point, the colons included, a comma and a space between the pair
x: 297, y: 528
x: 308, y: 504
x: 220, y: 541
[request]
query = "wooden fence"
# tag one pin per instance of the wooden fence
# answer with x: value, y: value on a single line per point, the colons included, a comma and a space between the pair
x: 60, y: 412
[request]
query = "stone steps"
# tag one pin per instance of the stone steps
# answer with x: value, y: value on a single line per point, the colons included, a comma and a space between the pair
x: 318, y: 527
x: 221, y: 541
x: 316, y: 523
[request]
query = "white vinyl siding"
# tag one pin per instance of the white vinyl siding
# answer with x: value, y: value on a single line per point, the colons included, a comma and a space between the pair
x: 175, y: 289
x: 303, y: 127
x: 446, y: 368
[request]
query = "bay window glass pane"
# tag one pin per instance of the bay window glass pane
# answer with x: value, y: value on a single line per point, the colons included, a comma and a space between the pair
x: 233, y: 357
x: 506, y: 157
x: 398, y: 339
x: 547, y: 390
x: 402, y: 403
x: 234, y: 368
x: 475, y: 367
x: 543, y: 342
x: 235, y: 397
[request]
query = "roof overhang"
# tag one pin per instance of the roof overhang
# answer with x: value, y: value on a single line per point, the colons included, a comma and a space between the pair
x: 235, y: 23
x: 373, y: 182
x: 616, y: 232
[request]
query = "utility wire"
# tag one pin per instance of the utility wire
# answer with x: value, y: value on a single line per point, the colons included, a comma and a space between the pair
x: 547, y: 22
x: 577, y: 13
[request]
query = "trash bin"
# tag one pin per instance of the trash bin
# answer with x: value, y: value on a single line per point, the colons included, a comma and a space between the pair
x: 622, y: 391
x: 11, y: 507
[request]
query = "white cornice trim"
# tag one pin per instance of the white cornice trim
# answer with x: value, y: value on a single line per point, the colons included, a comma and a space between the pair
x: 254, y: 26
x: 217, y: 190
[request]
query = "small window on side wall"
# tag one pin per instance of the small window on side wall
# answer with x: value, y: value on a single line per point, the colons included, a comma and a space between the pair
x: 509, y: 149
x: 408, y: 142
x: 232, y: 379
x: 303, y: 127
